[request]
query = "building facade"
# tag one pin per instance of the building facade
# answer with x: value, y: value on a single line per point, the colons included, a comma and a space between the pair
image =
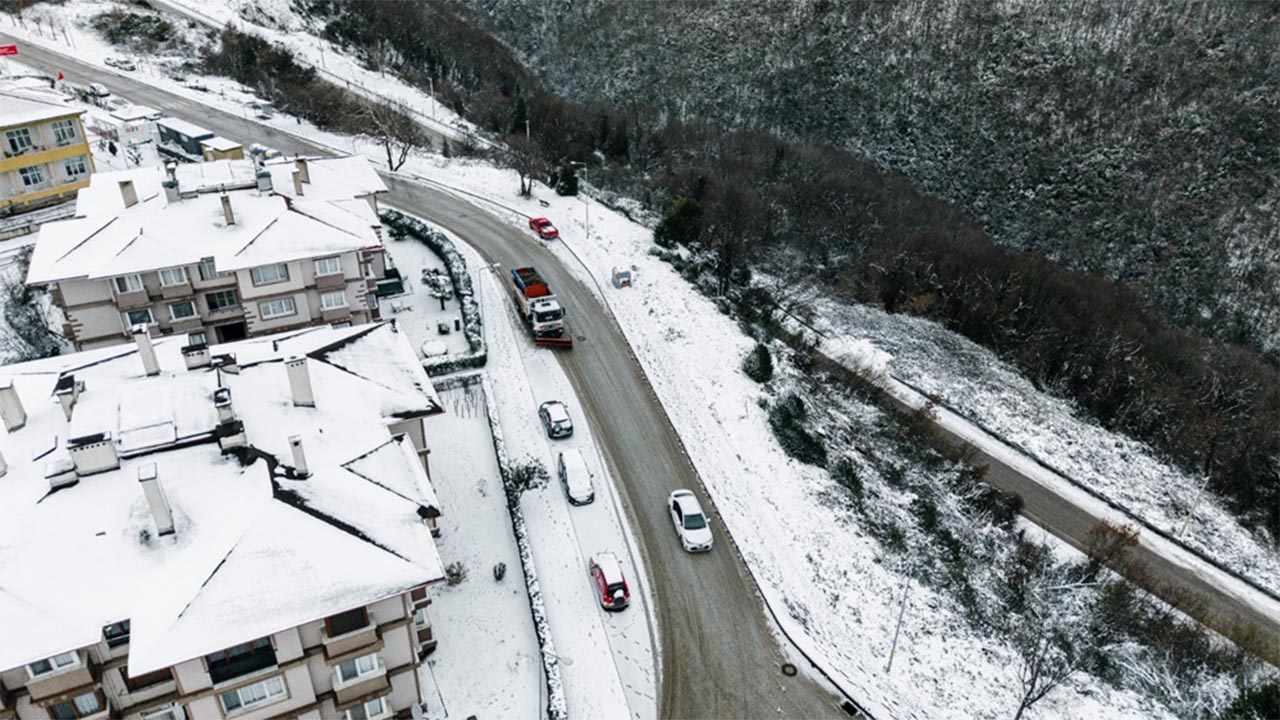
x: 249, y: 527
x: 220, y: 249
x: 46, y: 156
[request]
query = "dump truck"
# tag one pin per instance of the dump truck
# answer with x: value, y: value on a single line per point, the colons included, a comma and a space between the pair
x: 539, y: 309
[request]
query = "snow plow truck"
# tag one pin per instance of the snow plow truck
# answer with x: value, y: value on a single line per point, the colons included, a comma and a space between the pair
x: 539, y: 309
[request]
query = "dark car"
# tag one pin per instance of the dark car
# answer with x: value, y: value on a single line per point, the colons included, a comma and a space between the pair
x: 555, y: 419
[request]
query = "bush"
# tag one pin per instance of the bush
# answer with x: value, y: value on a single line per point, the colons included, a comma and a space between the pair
x: 499, y: 571
x: 455, y: 572
x: 681, y: 226
x: 132, y: 29
x: 786, y: 418
x: 758, y: 364
x: 1256, y: 703
x: 529, y: 474
x: 846, y: 476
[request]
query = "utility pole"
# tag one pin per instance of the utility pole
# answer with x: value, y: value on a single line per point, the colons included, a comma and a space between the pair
x: 431, y: 83
x: 1191, y: 513
x: 906, y: 588
x: 526, y: 128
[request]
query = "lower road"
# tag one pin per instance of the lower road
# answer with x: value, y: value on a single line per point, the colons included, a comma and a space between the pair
x: 720, y: 658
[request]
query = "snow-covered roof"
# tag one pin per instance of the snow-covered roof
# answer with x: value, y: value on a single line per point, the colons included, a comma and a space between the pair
x: 18, y: 110
x: 133, y: 113
x: 332, y: 178
x: 254, y: 550
x: 191, y: 130
x: 219, y: 143
x: 107, y: 239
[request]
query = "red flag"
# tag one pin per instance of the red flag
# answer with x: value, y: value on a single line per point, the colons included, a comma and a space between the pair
x: 59, y: 75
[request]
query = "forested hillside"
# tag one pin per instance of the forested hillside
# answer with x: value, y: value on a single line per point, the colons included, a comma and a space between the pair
x: 1138, y: 139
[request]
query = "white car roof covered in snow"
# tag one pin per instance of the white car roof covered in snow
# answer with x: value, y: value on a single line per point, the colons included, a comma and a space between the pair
x: 575, y: 467
x: 557, y: 411
x: 609, y: 567
x: 254, y: 551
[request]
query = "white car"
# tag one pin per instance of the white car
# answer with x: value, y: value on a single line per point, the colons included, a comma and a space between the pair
x: 574, y: 477
x: 692, y: 526
x: 121, y: 64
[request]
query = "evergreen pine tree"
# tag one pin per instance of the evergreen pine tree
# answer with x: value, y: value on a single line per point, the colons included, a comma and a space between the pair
x: 519, y: 118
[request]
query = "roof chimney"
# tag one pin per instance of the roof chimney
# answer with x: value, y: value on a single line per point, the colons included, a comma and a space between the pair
x: 300, y: 382
x: 171, y: 191
x: 231, y: 435
x: 68, y: 392
x: 93, y: 453
x: 171, y: 169
x: 4, y: 466
x: 150, y: 480
x: 145, y: 351
x: 222, y: 402
x: 264, y: 180
x: 60, y: 473
x: 128, y: 193
x: 305, y: 173
x: 227, y: 363
x: 299, y: 457
x: 297, y: 183
x: 196, y: 355
x: 11, y: 410
x: 227, y: 214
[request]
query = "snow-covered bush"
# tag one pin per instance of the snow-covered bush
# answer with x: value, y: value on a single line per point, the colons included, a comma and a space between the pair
x: 758, y: 364
x: 455, y: 572
x: 787, y: 418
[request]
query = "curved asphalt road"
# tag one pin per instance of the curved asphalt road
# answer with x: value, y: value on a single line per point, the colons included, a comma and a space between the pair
x: 719, y: 656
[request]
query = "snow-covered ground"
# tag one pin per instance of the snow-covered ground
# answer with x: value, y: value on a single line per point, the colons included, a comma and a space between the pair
x: 820, y: 573
x: 487, y: 662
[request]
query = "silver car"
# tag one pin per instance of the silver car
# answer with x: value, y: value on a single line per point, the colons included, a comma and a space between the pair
x: 555, y: 419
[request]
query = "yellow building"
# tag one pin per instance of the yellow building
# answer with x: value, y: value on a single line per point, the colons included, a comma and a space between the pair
x: 46, y: 154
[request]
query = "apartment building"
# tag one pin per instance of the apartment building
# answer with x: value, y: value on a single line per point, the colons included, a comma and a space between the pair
x: 204, y: 533
x: 224, y: 250
x: 46, y: 155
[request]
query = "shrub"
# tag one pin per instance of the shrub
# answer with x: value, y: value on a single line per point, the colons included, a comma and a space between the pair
x: 455, y: 572
x: 132, y: 29
x: 846, y: 476
x: 758, y: 364
x: 499, y: 571
x: 529, y: 474
x: 786, y: 418
x: 681, y: 226
x: 1256, y: 703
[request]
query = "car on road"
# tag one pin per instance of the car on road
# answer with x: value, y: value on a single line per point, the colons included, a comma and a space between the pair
x: 121, y: 64
x: 611, y: 584
x: 544, y: 228
x: 692, y: 526
x: 97, y: 90
x: 555, y: 419
x: 574, y: 477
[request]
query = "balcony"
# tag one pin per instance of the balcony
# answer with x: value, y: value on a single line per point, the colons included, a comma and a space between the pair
x: 240, y: 665
x: 374, y: 683
x: 83, y: 675
x: 132, y: 300
x: 226, y: 311
x: 347, y: 643
x: 331, y: 282
x: 176, y: 290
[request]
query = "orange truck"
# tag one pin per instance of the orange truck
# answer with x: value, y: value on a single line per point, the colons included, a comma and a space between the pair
x: 539, y: 308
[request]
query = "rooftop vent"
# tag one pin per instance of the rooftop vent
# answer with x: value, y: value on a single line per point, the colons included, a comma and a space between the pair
x: 264, y: 180
x: 297, y: 183
x: 149, y: 477
x: 222, y: 402
x: 300, y: 165
x: 172, y: 192
x: 300, y: 381
x: 231, y: 435
x: 142, y: 337
x: 4, y: 466
x: 60, y: 473
x: 196, y: 355
x: 128, y: 193
x: 92, y: 454
x: 227, y: 213
x: 11, y: 410
x: 299, y: 457
x: 68, y: 392
x: 226, y: 363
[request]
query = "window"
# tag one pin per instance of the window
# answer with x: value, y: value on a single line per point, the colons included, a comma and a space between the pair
x: 268, y: 274
x: 53, y: 664
x: 358, y: 667
x: 183, y: 310
x: 116, y: 634
x: 139, y: 317
x: 374, y: 708
x: 128, y: 283
x: 420, y: 617
x: 241, y: 659
x: 75, y: 168
x: 346, y: 622
x: 328, y: 266
x: 221, y: 300
x: 164, y: 712
x: 32, y: 176
x: 279, y: 307
x: 134, y: 684
x: 64, y: 132
x: 366, y: 269
x: 252, y: 695
x: 77, y: 707
x: 333, y: 300
x: 19, y: 140
x: 208, y: 270
x: 173, y: 276
x: 197, y: 339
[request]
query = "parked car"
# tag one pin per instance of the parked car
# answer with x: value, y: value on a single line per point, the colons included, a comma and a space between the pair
x: 692, y: 526
x: 97, y: 90
x: 611, y: 584
x: 555, y: 419
x: 575, y: 478
x: 544, y: 228
x: 121, y: 64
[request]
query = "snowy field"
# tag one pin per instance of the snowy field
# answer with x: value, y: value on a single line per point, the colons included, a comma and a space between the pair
x: 819, y: 573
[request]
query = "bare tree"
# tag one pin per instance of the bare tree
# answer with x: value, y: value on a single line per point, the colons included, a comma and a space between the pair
x: 25, y: 333
x: 395, y: 130
x: 524, y: 156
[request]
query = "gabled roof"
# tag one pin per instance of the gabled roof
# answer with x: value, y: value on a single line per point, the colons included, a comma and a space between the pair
x: 255, y: 550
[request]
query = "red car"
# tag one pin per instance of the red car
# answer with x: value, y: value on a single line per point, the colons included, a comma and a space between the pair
x: 611, y: 586
x: 544, y: 228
